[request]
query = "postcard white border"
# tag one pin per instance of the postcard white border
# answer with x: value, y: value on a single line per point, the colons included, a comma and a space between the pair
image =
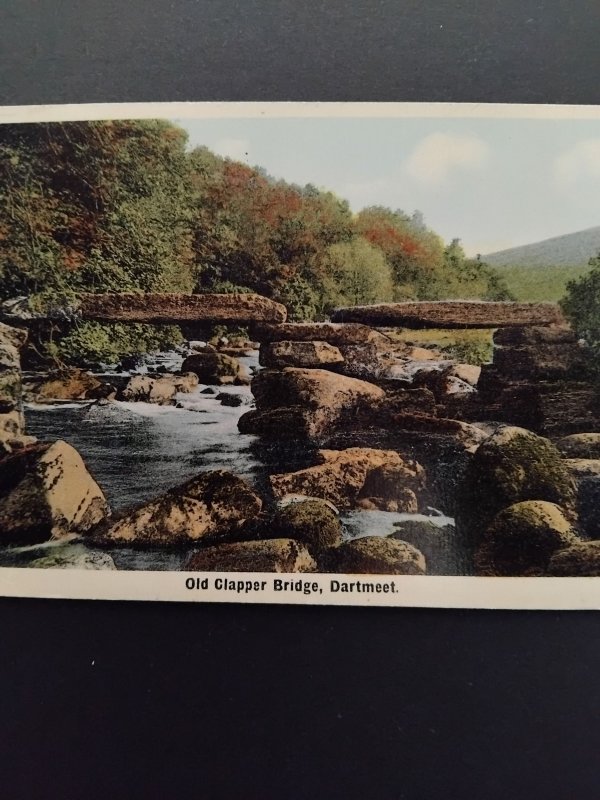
x: 416, y: 591
x: 282, y: 110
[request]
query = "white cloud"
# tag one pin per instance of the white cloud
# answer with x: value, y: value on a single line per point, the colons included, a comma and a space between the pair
x: 237, y: 149
x: 582, y: 160
x: 438, y: 154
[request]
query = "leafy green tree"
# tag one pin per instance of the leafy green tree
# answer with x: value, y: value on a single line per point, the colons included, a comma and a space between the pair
x: 581, y: 306
x: 358, y: 274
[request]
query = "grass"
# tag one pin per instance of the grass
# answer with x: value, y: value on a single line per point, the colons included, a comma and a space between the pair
x: 471, y: 346
x: 538, y: 284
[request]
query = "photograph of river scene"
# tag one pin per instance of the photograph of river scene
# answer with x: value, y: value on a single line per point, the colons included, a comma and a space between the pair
x: 301, y: 344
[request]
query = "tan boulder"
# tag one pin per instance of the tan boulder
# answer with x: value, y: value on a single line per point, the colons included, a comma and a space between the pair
x: 143, y: 389
x: 67, y: 384
x: 373, y: 555
x: 210, y: 506
x: 321, y: 401
x: 46, y: 492
x: 271, y: 555
x: 214, y: 368
x: 347, y: 477
x: 522, y: 538
x: 299, y: 354
x: 469, y: 373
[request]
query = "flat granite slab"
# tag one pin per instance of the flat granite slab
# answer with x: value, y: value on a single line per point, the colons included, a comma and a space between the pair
x: 172, y: 309
x: 452, y: 314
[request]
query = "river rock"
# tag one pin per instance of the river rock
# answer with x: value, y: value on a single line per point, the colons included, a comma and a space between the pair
x: 466, y: 435
x: 229, y: 399
x: 580, y: 445
x: 271, y: 555
x: 211, y: 506
x: 11, y: 391
x: 299, y: 354
x: 333, y: 333
x: 347, y: 478
x: 313, y: 401
x: 67, y: 384
x: 214, y: 368
x: 438, y: 543
x: 469, y: 373
x: 510, y: 466
x: 15, y: 337
x: 46, y: 492
x: 452, y: 314
x: 580, y: 560
x: 173, y: 308
x: 361, y: 361
x: 311, y: 522
x: 522, y: 538
x: 73, y: 557
x: 185, y: 382
x: 143, y: 389
x: 373, y: 555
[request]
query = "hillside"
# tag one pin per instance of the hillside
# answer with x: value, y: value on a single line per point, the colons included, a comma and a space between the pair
x: 541, y: 271
x: 572, y: 249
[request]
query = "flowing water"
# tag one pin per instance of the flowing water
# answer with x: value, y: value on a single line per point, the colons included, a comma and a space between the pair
x: 136, y: 451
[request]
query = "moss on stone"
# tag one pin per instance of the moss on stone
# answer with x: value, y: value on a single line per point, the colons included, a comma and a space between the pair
x: 522, y: 539
x: 311, y: 522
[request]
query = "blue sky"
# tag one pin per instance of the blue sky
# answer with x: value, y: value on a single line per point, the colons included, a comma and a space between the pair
x: 493, y: 183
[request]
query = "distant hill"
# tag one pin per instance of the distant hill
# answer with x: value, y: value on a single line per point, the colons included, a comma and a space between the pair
x: 572, y: 249
x: 541, y: 271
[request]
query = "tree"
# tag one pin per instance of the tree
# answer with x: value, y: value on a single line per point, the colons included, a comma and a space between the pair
x: 581, y: 305
x: 358, y: 274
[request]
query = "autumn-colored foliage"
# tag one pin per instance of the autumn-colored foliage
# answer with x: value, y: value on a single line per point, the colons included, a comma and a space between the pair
x: 124, y: 205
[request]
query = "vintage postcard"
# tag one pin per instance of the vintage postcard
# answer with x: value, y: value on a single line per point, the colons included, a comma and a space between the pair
x: 301, y: 353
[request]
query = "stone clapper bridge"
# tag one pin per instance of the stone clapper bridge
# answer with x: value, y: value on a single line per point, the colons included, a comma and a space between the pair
x: 537, y: 378
x: 336, y: 385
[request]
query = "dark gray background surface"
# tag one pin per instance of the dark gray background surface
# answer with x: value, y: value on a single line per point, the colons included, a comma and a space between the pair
x: 168, y: 701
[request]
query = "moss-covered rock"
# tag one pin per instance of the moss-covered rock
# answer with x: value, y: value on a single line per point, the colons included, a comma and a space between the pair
x: 510, y: 466
x: 273, y: 555
x: 374, y: 555
x: 522, y: 539
x: 438, y: 543
x: 582, y: 559
x: 311, y: 522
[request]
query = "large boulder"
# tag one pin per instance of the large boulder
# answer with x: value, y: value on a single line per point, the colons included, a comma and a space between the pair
x: 299, y: 354
x: 511, y: 465
x: 215, y: 368
x: 374, y: 555
x: 522, y: 539
x: 67, y: 384
x: 209, y: 507
x: 321, y: 400
x: 464, y: 434
x: 580, y: 445
x: 46, y: 492
x: 272, y: 555
x: 354, y: 477
x: 311, y: 522
x: 580, y: 560
x: 143, y: 389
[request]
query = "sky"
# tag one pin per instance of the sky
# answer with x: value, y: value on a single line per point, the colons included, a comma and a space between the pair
x: 492, y: 183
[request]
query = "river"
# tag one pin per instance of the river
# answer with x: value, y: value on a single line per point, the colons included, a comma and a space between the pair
x: 136, y: 451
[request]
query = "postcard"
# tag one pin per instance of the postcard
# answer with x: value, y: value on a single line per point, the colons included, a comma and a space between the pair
x: 325, y: 353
